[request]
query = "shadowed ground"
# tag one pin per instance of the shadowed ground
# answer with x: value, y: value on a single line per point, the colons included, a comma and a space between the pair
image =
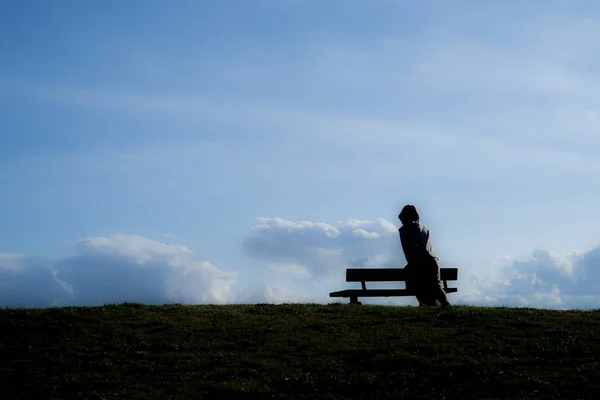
x: 298, y: 351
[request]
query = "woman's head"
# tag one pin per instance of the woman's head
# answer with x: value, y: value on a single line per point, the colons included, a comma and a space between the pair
x: 408, y: 214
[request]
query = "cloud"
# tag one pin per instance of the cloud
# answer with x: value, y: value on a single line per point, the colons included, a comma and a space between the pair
x: 114, y: 269
x: 293, y: 270
x: 547, y: 279
x: 269, y: 293
x: 322, y: 250
x: 25, y: 281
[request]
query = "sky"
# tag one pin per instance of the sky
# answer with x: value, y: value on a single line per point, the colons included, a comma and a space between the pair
x: 230, y: 152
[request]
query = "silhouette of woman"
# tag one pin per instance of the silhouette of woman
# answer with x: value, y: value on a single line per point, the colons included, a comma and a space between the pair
x: 422, y: 263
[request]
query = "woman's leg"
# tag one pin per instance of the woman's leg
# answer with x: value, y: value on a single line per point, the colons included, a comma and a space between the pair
x: 440, y: 295
x: 412, y: 283
x: 437, y: 290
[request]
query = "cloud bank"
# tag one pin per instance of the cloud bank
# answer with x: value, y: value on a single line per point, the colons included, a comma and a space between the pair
x: 310, y: 255
x: 543, y: 279
x: 113, y: 270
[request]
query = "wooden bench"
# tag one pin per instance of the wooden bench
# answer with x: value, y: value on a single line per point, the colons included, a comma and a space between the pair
x: 364, y: 275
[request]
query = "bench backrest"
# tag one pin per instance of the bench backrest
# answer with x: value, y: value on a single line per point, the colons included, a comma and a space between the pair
x: 391, y: 274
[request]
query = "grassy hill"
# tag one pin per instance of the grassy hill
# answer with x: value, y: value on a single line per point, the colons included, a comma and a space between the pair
x: 298, y: 351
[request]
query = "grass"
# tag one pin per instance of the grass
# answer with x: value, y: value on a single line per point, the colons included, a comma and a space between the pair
x: 132, y: 351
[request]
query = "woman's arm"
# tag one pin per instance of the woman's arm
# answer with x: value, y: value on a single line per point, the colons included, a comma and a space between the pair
x: 409, y: 244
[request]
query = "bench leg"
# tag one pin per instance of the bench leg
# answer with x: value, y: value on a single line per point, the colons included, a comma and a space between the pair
x: 354, y: 300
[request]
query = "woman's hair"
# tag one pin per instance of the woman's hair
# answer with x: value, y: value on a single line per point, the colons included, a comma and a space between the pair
x: 408, y: 214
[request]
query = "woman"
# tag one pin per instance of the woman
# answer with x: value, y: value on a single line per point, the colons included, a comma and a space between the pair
x: 422, y: 263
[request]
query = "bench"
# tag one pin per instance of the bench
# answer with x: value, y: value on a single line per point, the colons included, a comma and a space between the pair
x: 364, y: 275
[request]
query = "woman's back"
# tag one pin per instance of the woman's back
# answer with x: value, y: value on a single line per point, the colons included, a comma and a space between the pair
x: 416, y: 242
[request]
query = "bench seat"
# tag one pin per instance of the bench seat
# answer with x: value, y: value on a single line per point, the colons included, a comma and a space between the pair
x: 380, y: 292
x: 364, y: 275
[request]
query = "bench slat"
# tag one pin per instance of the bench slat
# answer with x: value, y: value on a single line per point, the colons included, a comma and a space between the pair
x: 391, y: 274
x: 379, y: 292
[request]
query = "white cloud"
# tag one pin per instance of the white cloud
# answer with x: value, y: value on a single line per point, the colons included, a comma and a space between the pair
x: 271, y: 293
x: 293, y: 270
x: 114, y: 269
x: 12, y: 261
x: 542, y: 279
x: 323, y: 249
x: 26, y: 281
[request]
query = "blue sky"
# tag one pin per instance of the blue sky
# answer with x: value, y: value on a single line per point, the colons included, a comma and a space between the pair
x: 180, y: 123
